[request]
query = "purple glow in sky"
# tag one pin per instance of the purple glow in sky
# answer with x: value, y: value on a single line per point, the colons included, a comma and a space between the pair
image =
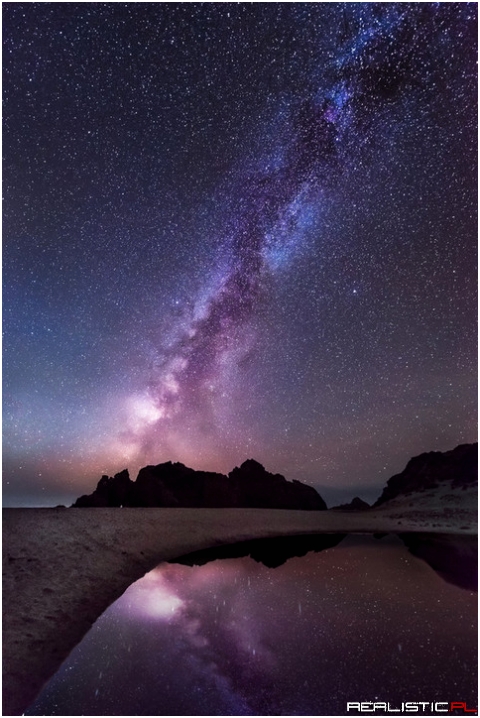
x: 237, y: 231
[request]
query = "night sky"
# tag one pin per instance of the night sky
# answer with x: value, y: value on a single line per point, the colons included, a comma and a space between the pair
x: 233, y: 231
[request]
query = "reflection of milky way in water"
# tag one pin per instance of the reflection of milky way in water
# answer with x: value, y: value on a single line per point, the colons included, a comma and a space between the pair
x: 362, y: 621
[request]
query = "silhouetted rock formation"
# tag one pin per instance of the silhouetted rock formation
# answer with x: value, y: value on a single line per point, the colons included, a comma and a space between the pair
x: 458, y: 467
x: 257, y: 488
x: 176, y: 485
x: 355, y: 504
x: 110, y: 491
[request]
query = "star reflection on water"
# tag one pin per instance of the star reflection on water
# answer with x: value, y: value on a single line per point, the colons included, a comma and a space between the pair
x: 344, y: 622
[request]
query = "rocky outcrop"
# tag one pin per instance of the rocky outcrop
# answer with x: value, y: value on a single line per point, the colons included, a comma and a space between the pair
x: 457, y: 467
x: 110, y: 491
x: 355, y: 504
x: 257, y: 488
x: 175, y: 485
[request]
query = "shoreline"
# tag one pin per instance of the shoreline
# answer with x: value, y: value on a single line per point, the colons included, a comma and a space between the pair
x: 62, y: 568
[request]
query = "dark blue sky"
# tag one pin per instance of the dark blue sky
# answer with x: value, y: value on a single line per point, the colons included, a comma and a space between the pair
x: 237, y: 230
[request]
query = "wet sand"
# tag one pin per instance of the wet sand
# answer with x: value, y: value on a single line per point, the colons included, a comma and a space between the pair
x: 63, y: 567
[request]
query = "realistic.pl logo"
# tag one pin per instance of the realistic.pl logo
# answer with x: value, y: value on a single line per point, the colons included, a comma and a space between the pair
x: 411, y: 707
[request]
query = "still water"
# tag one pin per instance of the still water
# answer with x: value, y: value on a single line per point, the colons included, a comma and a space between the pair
x: 362, y: 621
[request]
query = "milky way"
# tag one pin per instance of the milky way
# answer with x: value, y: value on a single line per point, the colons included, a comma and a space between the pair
x: 237, y: 230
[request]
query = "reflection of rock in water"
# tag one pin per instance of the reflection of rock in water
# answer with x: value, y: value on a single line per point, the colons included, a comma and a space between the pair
x: 454, y: 558
x: 272, y: 552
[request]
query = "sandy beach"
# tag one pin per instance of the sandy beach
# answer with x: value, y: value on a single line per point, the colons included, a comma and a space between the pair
x: 63, y: 567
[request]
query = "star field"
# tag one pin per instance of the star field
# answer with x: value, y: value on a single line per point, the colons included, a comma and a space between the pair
x: 237, y: 230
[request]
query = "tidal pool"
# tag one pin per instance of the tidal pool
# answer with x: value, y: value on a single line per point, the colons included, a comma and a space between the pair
x: 364, y: 620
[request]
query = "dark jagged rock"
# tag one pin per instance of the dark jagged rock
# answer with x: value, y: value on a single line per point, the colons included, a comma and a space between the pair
x: 427, y: 471
x: 355, y: 504
x: 116, y: 491
x: 176, y: 485
x: 257, y: 488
